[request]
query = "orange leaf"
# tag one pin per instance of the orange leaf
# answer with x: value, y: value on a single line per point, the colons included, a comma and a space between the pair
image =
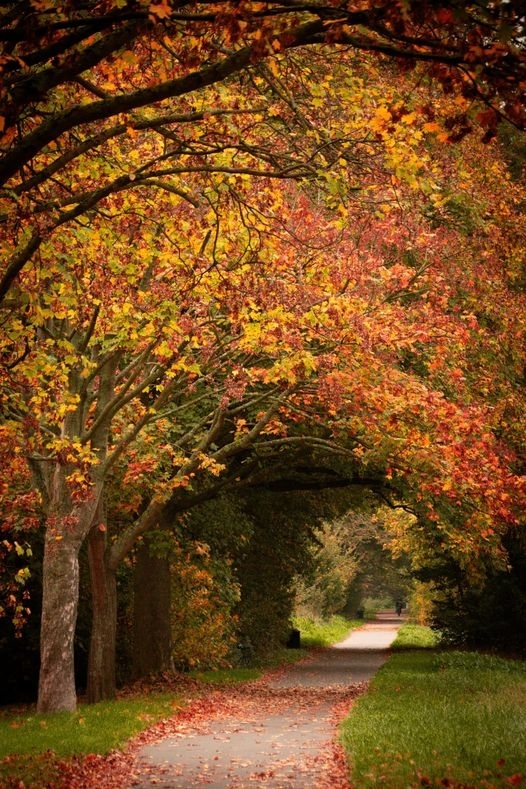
x: 159, y: 10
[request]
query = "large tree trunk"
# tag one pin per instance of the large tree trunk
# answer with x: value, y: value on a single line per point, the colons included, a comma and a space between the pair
x: 70, y: 519
x: 59, y: 616
x: 151, y: 614
x: 101, y: 665
x: 67, y: 525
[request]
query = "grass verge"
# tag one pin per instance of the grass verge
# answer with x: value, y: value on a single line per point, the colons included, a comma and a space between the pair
x: 411, y: 636
x: 31, y: 745
x: 440, y: 719
x: 318, y: 633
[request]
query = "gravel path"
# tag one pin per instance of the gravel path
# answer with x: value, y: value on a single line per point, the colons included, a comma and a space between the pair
x: 279, y: 732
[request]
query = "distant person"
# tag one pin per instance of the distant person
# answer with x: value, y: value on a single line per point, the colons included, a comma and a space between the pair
x: 399, y: 606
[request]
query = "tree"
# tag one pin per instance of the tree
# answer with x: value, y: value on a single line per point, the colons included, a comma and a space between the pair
x: 467, y: 588
x: 486, y: 612
x: 21, y: 517
x: 325, y: 590
x: 257, y: 332
x: 274, y: 555
x: 218, y: 320
x: 198, y: 597
x: 152, y: 631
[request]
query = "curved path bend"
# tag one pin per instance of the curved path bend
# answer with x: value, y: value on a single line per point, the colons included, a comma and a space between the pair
x: 279, y: 732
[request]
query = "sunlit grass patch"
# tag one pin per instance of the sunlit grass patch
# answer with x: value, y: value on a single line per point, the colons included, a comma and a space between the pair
x: 430, y: 718
x: 412, y: 636
x: 323, y: 633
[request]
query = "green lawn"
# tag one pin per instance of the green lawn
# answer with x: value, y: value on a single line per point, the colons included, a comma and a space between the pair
x: 318, y: 633
x: 32, y: 745
x: 415, y: 637
x: 96, y: 728
x: 440, y: 719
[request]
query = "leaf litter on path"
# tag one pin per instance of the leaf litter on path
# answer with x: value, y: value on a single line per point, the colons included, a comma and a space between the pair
x: 278, y: 732
x: 234, y: 737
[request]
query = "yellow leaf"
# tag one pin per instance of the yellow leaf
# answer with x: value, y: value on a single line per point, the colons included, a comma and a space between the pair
x: 273, y: 66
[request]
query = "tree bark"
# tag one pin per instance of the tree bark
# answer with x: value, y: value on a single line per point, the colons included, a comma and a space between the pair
x: 151, y: 615
x: 101, y: 661
x: 67, y: 524
x: 60, y: 592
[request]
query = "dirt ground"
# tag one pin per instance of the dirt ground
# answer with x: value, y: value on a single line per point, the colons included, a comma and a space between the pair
x: 279, y: 732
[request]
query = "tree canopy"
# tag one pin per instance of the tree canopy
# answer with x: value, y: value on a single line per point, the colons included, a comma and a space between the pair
x: 71, y: 82
x: 256, y: 244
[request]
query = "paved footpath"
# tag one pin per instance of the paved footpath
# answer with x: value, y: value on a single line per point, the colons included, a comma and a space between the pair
x: 279, y: 732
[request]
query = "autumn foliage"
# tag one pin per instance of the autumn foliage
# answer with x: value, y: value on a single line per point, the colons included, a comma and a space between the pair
x: 241, y: 248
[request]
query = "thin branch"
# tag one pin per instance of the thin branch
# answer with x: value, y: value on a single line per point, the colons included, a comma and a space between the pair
x: 17, y: 263
x: 124, y: 396
x: 151, y: 124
